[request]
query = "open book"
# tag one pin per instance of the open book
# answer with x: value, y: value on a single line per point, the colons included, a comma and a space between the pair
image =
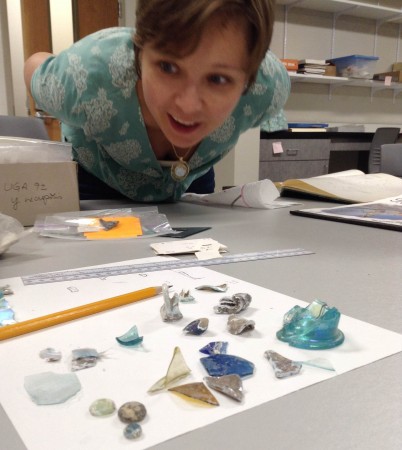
x: 349, y: 186
x: 386, y: 213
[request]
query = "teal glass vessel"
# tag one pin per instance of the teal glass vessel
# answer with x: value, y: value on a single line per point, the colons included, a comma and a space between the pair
x: 314, y: 327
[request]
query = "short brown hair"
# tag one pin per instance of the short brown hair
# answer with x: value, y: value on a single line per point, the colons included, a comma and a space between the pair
x: 176, y: 26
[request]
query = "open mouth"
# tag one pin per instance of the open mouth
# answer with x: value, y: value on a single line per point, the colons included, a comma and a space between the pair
x: 183, y: 126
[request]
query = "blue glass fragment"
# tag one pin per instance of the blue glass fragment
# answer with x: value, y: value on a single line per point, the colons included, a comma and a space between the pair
x: 215, y: 348
x: 131, y: 338
x: 197, y: 327
x: 313, y: 327
x: 219, y: 365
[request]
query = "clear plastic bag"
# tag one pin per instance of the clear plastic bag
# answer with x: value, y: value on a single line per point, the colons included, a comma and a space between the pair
x: 11, y: 231
x: 106, y: 224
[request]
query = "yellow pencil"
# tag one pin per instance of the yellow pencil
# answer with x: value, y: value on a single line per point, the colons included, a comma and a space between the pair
x: 10, y: 331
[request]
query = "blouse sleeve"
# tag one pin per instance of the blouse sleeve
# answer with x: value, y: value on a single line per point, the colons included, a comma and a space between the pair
x: 275, y: 75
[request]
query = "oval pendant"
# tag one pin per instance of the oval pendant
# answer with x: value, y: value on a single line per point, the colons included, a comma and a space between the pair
x: 179, y: 171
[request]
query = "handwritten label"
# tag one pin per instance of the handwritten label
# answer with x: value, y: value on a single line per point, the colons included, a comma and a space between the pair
x: 29, y: 189
x: 29, y: 192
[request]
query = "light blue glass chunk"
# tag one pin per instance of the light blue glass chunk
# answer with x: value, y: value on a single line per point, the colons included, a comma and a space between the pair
x: 6, y: 316
x: 313, y: 327
x: 131, y: 338
x: 133, y: 431
x: 218, y: 365
x: 215, y: 348
x: 50, y: 388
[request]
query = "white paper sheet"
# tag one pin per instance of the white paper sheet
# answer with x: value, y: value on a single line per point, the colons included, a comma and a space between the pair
x: 125, y: 374
x: 259, y: 194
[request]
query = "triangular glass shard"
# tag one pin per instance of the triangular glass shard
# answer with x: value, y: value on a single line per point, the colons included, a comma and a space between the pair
x: 131, y: 338
x: 177, y: 369
x: 320, y: 363
x: 196, y: 391
x: 218, y: 365
x: 283, y: 367
x: 230, y: 385
x: 215, y: 348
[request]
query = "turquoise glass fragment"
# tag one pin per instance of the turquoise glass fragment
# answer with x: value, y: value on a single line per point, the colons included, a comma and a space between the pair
x: 131, y: 338
x: 314, y: 327
x: 221, y: 364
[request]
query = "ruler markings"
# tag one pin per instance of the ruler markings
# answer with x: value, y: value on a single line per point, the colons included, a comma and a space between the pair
x: 110, y: 271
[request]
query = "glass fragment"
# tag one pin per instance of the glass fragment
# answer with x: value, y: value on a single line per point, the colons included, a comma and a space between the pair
x: 50, y: 388
x: 170, y: 311
x: 132, y: 431
x: 6, y: 290
x: 131, y: 338
x: 313, y: 327
x: 209, y: 287
x: 84, y: 358
x: 186, y: 297
x: 219, y: 365
x: 50, y: 354
x: 238, y: 325
x: 230, y: 385
x: 197, y: 327
x: 196, y: 391
x: 215, y: 348
x: 320, y: 363
x: 102, y: 407
x: 132, y: 412
x: 233, y: 305
x: 177, y: 370
x: 283, y: 367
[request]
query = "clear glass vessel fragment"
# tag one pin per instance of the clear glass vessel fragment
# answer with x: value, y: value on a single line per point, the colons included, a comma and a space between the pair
x: 177, y: 369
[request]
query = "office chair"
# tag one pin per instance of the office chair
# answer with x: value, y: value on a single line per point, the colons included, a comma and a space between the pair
x: 391, y: 159
x: 386, y: 135
x: 24, y: 127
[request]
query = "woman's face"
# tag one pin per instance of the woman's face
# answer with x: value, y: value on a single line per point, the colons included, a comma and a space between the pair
x: 187, y: 98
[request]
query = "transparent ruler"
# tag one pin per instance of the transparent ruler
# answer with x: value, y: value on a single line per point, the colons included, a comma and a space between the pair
x: 171, y: 264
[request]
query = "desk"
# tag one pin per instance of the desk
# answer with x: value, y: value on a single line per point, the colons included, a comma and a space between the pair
x: 357, y: 269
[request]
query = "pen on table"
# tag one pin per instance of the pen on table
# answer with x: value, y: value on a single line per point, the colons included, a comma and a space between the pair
x: 38, y: 323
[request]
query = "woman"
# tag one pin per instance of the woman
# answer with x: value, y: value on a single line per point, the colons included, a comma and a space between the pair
x: 150, y: 111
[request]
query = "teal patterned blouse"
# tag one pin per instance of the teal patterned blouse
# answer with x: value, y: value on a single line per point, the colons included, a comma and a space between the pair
x: 90, y: 88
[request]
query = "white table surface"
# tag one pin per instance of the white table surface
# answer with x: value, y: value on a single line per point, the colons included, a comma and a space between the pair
x: 358, y: 269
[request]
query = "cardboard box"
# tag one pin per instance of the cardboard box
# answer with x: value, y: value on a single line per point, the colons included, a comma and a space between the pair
x: 29, y: 189
x: 397, y: 66
x: 290, y: 64
x: 395, y: 76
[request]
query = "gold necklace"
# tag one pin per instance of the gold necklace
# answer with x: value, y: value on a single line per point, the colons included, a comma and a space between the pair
x: 180, y: 169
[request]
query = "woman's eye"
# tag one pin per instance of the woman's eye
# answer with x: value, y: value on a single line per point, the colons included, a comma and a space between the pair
x: 219, y: 79
x: 167, y: 67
